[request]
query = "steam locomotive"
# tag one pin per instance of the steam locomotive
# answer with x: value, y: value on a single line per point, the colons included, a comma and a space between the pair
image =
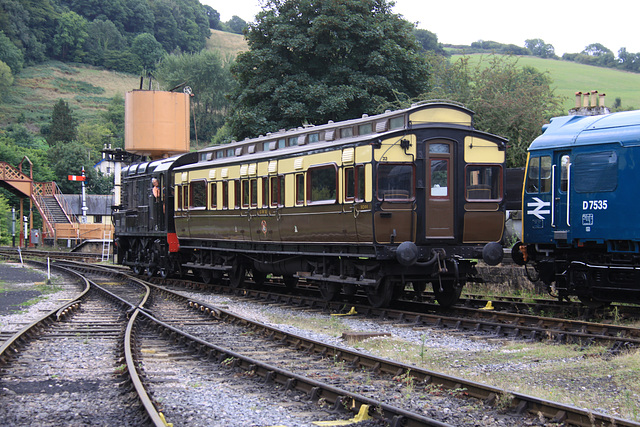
x: 380, y: 204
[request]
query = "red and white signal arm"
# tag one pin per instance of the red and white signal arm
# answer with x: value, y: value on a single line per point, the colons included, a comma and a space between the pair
x: 77, y: 178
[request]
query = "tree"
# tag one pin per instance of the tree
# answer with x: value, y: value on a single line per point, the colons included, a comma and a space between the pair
x: 236, y: 24
x: 71, y: 33
x: 103, y: 36
x: 210, y: 80
x: 310, y: 61
x: 63, y: 126
x: 147, y: 48
x: 10, y: 54
x: 429, y: 41
x: 68, y: 159
x: 6, y: 79
x: 508, y: 100
x: 213, y: 17
x: 539, y: 48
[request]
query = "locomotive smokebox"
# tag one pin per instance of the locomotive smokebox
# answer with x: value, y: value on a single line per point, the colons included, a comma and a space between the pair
x: 156, y: 123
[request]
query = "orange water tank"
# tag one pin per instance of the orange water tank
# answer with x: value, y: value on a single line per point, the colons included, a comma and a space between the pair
x: 156, y: 123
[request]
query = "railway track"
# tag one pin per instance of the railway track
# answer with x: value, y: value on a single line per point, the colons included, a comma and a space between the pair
x: 356, y: 361
x: 500, y: 322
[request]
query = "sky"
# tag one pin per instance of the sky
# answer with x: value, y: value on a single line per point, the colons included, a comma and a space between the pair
x: 568, y: 26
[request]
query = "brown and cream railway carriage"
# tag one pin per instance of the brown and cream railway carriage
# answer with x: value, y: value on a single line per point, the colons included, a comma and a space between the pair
x: 412, y: 196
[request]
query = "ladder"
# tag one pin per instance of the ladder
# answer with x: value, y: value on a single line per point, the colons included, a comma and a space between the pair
x: 106, y: 245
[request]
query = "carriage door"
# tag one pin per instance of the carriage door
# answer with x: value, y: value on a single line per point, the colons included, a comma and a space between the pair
x: 439, y: 194
x: 561, y: 176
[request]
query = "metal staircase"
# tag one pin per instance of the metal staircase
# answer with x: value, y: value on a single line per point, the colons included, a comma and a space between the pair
x: 46, y: 196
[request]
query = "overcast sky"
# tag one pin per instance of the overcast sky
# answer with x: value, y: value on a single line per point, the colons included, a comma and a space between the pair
x: 568, y: 26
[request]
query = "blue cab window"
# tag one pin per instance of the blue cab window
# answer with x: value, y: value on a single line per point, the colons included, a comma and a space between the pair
x: 596, y: 172
x: 539, y: 175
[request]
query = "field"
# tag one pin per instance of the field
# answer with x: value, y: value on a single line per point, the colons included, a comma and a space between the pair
x: 571, y: 77
x: 86, y: 89
x: 226, y: 43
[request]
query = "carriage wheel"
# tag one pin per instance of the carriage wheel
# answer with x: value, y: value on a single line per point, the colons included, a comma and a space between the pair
x: 258, y: 277
x: 382, y: 295
x: 290, y: 282
x: 447, y: 291
x: 329, y: 290
x: 206, y: 276
x: 237, y: 275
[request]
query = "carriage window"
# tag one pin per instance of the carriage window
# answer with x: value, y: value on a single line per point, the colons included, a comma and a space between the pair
x: 265, y: 192
x: 293, y: 141
x: 595, y: 172
x: 539, y: 175
x: 322, y: 184
x: 438, y: 148
x: 439, y: 177
x: 198, y: 194
x: 484, y: 182
x: 254, y: 192
x: 245, y: 193
x: 299, y: 189
x: 179, y: 198
x: 314, y: 137
x: 277, y: 190
x: 225, y: 195
x: 346, y: 132
x: 281, y: 143
x: 185, y: 196
x: 213, y: 195
x: 395, y: 182
x: 354, y: 184
x: 236, y: 191
x: 396, y: 123
x: 365, y: 129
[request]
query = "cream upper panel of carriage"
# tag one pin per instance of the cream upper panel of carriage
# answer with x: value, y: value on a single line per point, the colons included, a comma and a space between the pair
x: 397, y: 149
x: 480, y: 150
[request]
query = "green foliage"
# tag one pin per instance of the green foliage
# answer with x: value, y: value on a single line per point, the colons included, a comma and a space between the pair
x: 429, y: 41
x: 213, y: 16
x: 125, y: 61
x: 539, y: 48
x: 10, y: 54
x: 63, y: 127
x: 103, y: 36
x: 509, y: 100
x: 319, y: 60
x: 68, y: 159
x: 113, y: 118
x: 496, y: 47
x: 71, y: 33
x: 148, y: 50
x: 210, y: 80
x: 30, y: 25
x: 6, y: 79
x: 5, y: 221
x: 236, y: 24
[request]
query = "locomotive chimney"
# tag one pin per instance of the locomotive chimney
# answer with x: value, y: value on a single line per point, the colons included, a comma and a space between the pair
x: 578, y: 99
x: 594, y: 98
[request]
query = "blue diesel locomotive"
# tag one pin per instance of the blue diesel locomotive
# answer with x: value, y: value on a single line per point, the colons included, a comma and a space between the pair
x: 581, y: 228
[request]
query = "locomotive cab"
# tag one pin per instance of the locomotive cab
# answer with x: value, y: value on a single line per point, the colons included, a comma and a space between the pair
x: 579, y: 190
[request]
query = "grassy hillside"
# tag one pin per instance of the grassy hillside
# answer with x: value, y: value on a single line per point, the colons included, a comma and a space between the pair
x: 86, y: 89
x: 226, y: 43
x: 570, y: 77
